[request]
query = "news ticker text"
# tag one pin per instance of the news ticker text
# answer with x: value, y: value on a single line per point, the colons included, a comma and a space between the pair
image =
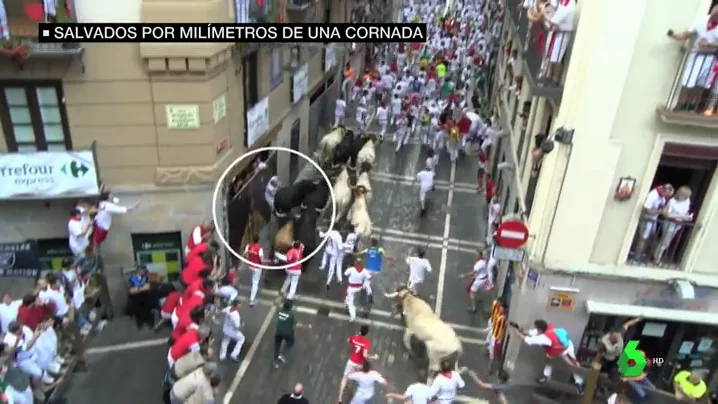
x: 263, y: 33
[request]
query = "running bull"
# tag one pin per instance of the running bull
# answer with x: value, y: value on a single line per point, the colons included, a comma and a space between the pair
x: 292, y: 196
x: 325, y: 151
x: 347, y: 152
x: 424, y: 326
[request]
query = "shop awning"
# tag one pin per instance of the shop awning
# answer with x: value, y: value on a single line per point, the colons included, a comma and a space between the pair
x: 653, y: 313
x: 49, y: 175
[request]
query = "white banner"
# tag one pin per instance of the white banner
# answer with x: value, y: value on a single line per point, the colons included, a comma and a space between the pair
x: 48, y: 174
x: 257, y: 121
x: 300, y: 81
x: 330, y: 57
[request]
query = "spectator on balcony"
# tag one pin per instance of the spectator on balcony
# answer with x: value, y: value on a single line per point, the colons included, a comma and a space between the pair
x: 695, y: 80
x: 713, y: 84
x: 677, y: 211
x: 558, y: 18
x: 653, y: 206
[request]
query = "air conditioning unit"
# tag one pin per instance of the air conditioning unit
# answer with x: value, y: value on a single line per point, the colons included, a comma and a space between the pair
x: 299, y: 5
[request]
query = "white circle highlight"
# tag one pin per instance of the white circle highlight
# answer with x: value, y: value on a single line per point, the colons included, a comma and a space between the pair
x: 218, y: 188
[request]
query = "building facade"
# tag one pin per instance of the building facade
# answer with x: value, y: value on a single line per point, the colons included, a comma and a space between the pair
x: 591, y: 133
x: 162, y: 121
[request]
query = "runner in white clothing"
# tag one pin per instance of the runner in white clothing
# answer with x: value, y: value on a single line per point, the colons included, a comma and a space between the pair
x: 339, y: 111
x: 382, y: 116
x: 446, y: 384
x: 418, y: 267
x: 332, y: 250
x: 418, y: 393
x: 357, y: 277
x: 366, y: 380
x: 426, y: 184
x: 270, y: 191
x: 483, y: 278
x: 361, y: 118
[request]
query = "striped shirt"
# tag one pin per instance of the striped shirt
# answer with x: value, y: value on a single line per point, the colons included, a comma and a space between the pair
x: 498, y: 327
x: 495, y: 311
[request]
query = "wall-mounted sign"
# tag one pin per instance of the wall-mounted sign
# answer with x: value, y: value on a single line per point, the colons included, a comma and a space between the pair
x: 219, y: 108
x: 52, y: 251
x: 19, y: 259
x: 508, y: 254
x: 48, y: 174
x: 532, y: 278
x: 182, y: 117
x: 330, y: 57
x: 161, y: 253
x: 561, y: 301
x: 257, y: 121
x: 300, y: 83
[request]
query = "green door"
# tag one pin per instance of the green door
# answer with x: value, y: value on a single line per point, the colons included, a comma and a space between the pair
x: 161, y: 253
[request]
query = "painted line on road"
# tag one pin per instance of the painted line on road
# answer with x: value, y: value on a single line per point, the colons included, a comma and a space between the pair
x: 427, y: 244
x: 440, y: 187
x: 429, y: 236
x: 444, y: 247
x: 373, y: 323
x: 411, y: 179
x: 268, y: 296
x: 250, y: 355
x: 128, y: 346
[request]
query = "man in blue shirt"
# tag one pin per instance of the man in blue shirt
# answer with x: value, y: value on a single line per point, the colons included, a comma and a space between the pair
x: 373, y: 256
x: 141, y: 300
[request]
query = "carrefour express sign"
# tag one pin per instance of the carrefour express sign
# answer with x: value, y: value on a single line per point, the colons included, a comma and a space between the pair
x: 48, y: 174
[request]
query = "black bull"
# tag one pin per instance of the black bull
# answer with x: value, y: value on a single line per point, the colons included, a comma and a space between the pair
x: 292, y: 196
x: 348, y: 149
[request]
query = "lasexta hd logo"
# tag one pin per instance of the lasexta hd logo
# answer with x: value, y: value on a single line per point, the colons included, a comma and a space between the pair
x: 632, y: 362
x: 75, y: 169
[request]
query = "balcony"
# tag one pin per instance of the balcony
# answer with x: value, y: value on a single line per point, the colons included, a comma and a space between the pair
x: 545, y: 50
x: 660, y: 242
x: 692, y: 100
x: 22, y: 43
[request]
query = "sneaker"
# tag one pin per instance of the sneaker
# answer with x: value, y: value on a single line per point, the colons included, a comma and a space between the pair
x: 85, y: 329
x: 542, y: 379
x: 282, y: 359
x: 222, y: 358
x: 54, y: 367
x: 101, y: 325
x: 579, y: 389
x: 47, y: 379
x: 276, y: 365
x: 60, y: 360
x: 327, y: 286
x: 251, y: 303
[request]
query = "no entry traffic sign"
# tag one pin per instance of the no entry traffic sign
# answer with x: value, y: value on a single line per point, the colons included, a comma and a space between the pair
x: 512, y: 234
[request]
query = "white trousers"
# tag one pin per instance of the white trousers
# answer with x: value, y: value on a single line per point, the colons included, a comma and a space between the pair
x: 226, y: 338
x: 569, y: 356
x: 19, y: 397
x: 349, y: 301
x: 439, y: 140
x: 174, y: 319
x: 256, y: 276
x: 422, y: 196
x: 330, y: 258
x: 338, y: 119
x: 453, y: 150
x: 401, y: 138
x: 383, y: 124
x: 290, y: 284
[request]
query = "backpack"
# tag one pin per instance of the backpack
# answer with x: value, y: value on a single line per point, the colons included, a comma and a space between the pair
x: 562, y: 336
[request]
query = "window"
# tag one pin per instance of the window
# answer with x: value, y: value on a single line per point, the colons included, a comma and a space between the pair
x: 34, y: 117
x: 251, y: 78
x: 276, y: 67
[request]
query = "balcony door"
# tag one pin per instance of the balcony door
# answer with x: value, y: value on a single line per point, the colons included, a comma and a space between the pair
x: 33, y: 117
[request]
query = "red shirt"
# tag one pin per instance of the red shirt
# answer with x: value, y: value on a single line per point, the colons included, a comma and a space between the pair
x: 295, y: 255
x: 359, y: 348
x: 431, y: 74
x: 187, y: 305
x: 190, y: 273
x: 31, y: 316
x: 196, y: 251
x: 171, y: 302
x: 183, y: 325
x: 186, y: 343
x: 489, y: 188
x: 195, y: 286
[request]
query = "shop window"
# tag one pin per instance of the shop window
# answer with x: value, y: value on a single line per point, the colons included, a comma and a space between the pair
x: 33, y: 117
x: 662, y: 241
x: 698, y: 350
x: 598, y: 326
x: 161, y: 253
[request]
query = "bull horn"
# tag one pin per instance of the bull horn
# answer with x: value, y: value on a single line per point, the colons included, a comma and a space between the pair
x: 391, y: 295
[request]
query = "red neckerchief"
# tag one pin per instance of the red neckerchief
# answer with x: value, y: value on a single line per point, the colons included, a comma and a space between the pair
x: 711, y: 25
x: 358, y: 267
x: 565, y: 2
x: 446, y: 374
x: 233, y: 308
x: 75, y: 218
x: 659, y: 189
x: 56, y: 288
